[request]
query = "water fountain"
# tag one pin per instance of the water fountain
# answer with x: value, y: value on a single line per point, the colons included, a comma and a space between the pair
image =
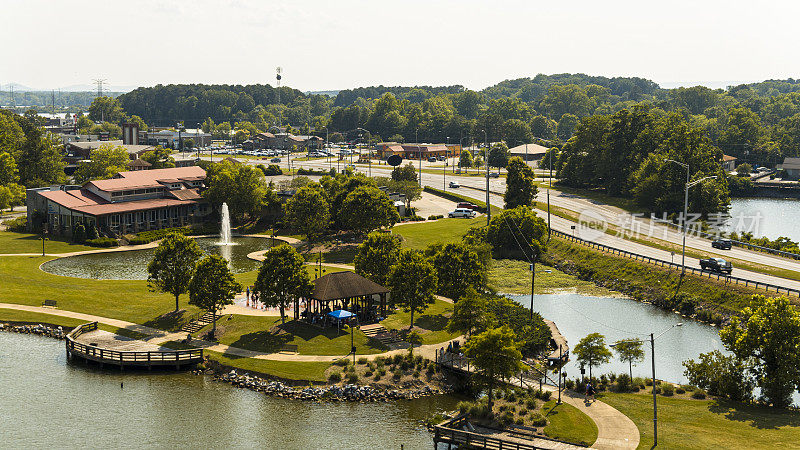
x: 225, y: 227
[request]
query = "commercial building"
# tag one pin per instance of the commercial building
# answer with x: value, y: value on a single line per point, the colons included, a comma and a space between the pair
x: 130, y: 202
x: 413, y: 151
x: 534, y: 152
x: 792, y: 168
x: 173, y: 138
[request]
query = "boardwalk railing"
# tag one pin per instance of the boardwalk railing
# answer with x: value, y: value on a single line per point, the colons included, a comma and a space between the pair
x: 149, y: 358
x: 450, y: 433
x: 660, y: 262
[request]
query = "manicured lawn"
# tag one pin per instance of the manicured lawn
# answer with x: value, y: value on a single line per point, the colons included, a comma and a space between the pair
x: 568, y: 423
x: 11, y: 242
x: 309, y: 371
x: 432, y: 322
x: 420, y: 235
x: 256, y: 333
x: 24, y: 283
x: 249, y: 278
x: 514, y: 277
x: 701, y: 424
x: 13, y: 315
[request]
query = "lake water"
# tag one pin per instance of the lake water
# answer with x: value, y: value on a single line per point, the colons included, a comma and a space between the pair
x: 774, y: 217
x: 623, y: 318
x: 132, y: 265
x: 49, y: 403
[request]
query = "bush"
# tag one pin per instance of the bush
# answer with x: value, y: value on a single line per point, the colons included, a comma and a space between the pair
x: 698, y: 394
x: 18, y: 225
x: 506, y: 419
x: 362, y: 360
x: 435, y: 217
x: 430, y: 369
x: 721, y: 375
x: 680, y: 390
x: 624, y: 383
x: 667, y: 390
x: 271, y: 170
x: 102, y: 242
x: 377, y: 377
x: 479, y: 410
x: 368, y: 373
x: 335, y: 377
x: 381, y: 371
x: 463, y: 406
x: 416, y: 374
x: 352, y: 378
x: 79, y: 232
x: 530, y: 404
x: 397, y: 374
x: 344, y: 362
x: 569, y: 384
x: 537, y: 419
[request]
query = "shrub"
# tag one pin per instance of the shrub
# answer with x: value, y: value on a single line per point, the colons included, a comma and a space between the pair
x: 397, y: 359
x: 667, y: 390
x: 102, y: 242
x: 381, y: 371
x: 506, y: 419
x: 362, y: 360
x: 271, y: 170
x: 377, y: 377
x: 463, y: 406
x: 435, y: 217
x: 569, y: 384
x: 344, y: 362
x: 335, y: 377
x: 530, y: 404
x: 17, y: 225
x: 478, y: 410
x: 537, y: 419
x: 624, y: 383
x: 416, y: 374
x: 397, y: 374
x: 368, y: 373
x: 523, y: 412
x: 352, y: 378
x: 430, y: 369
x: 698, y: 394
x: 680, y: 390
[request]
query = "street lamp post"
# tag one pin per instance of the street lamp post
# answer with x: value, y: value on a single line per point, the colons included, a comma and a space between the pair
x: 444, y: 168
x: 419, y: 155
x: 686, y: 209
x: 486, y: 156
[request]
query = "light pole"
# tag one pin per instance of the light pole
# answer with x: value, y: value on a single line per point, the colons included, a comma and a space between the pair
x: 533, y: 280
x: 486, y: 156
x: 686, y: 209
x: 444, y: 168
x: 549, y: 184
x: 419, y: 155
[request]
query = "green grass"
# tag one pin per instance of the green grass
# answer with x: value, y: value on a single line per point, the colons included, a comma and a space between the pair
x: 11, y: 242
x: 249, y: 278
x: 701, y: 424
x: 307, y: 371
x: 432, y: 321
x: 257, y: 333
x: 420, y: 235
x: 24, y: 283
x: 510, y: 276
x: 13, y: 315
x: 568, y: 423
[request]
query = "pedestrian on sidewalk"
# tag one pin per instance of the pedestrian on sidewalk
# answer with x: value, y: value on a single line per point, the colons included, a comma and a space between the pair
x: 589, y: 391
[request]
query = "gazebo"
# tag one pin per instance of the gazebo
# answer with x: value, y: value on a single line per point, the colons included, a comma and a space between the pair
x: 349, y: 291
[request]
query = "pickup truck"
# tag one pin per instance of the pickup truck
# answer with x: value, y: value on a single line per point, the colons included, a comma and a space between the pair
x: 717, y: 265
x: 722, y: 244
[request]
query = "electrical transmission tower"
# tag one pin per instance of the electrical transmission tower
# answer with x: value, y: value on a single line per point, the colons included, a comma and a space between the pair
x: 99, y: 83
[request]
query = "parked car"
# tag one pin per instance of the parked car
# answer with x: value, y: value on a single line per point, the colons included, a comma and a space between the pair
x: 467, y: 205
x: 432, y: 159
x: 442, y: 158
x: 716, y: 265
x: 454, y: 185
x: 462, y: 212
x: 275, y: 160
x: 722, y: 244
x: 494, y: 175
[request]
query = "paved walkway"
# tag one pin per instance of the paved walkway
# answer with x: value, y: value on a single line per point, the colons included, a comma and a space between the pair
x: 614, y: 429
x: 159, y: 336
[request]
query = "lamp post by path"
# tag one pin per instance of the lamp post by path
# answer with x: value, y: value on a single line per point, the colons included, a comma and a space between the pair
x: 44, y: 235
x: 486, y: 156
x: 686, y: 209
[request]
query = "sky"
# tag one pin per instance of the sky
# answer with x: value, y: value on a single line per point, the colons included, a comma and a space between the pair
x: 331, y: 45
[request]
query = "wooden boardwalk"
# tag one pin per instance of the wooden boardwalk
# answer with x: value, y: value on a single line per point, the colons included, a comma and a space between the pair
x: 459, y: 433
x: 90, y: 344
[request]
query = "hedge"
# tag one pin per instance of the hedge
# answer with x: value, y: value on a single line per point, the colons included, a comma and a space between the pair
x: 102, y: 242
x: 146, y: 237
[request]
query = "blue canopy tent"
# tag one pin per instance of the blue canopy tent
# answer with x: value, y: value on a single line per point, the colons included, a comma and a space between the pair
x: 340, y: 315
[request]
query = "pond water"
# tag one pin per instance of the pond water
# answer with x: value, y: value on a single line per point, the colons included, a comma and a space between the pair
x: 49, y: 403
x: 132, y: 265
x: 776, y: 217
x: 623, y: 318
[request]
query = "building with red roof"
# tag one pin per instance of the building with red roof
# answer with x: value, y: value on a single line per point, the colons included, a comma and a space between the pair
x: 129, y: 202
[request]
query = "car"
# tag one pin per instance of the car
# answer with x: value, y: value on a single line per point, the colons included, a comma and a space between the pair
x: 462, y: 212
x: 442, y: 158
x: 454, y: 185
x: 494, y: 175
x: 467, y: 205
x: 722, y: 244
x: 716, y: 265
x: 432, y: 159
x: 275, y: 160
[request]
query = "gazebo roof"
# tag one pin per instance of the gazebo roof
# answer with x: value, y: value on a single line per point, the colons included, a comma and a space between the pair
x: 341, y: 285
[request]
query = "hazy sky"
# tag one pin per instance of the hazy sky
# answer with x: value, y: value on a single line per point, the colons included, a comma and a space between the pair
x: 340, y: 44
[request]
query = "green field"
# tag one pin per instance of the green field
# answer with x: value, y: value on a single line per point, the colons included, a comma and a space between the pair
x: 309, y: 371
x: 568, y: 423
x: 420, y: 235
x: 11, y: 242
x: 701, y: 424
x: 510, y: 276
x: 266, y: 334
x: 431, y: 322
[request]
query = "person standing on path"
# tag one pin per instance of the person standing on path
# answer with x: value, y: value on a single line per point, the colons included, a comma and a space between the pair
x: 589, y: 391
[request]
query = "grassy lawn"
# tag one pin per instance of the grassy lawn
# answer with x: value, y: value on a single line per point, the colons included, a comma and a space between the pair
x: 266, y: 334
x: 13, y: 315
x: 24, y: 283
x: 514, y: 277
x: 420, y: 235
x: 249, y: 278
x: 431, y: 322
x: 687, y: 423
x: 310, y: 371
x: 568, y: 423
x: 11, y: 242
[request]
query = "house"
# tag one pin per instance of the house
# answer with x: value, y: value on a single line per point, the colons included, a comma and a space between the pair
x: 792, y: 168
x: 139, y: 164
x: 728, y: 163
x: 129, y: 202
x: 534, y: 152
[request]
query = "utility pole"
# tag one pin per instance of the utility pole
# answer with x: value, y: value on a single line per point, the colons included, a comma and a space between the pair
x: 486, y: 156
x: 278, y: 91
x: 549, y: 183
x: 655, y: 411
x: 419, y: 155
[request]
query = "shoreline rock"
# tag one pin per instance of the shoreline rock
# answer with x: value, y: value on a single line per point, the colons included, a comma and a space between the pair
x: 38, y: 329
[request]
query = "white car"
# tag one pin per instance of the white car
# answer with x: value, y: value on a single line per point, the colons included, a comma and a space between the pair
x: 462, y: 212
x: 454, y: 185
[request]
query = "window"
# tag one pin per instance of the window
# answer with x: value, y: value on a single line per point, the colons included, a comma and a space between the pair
x: 116, y: 194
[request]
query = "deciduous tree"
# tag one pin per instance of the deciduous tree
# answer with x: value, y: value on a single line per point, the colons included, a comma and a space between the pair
x: 282, y: 278
x: 104, y: 162
x: 520, y: 187
x: 470, y: 314
x: 591, y: 351
x: 173, y: 265
x: 308, y: 212
x: 368, y: 208
x: 213, y: 286
x: 413, y: 282
x: 376, y: 256
x: 495, y: 354
x: 629, y: 351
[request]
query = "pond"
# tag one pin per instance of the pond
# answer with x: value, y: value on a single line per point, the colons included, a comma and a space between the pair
x: 623, y: 318
x: 132, y: 265
x: 778, y: 217
x: 49, y: 403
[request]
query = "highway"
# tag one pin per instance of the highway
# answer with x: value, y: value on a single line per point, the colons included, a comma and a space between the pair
x: 595, y: 210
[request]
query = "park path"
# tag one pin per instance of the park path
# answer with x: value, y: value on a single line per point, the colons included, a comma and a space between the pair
x: 614, y: 429
x: 156, y: 336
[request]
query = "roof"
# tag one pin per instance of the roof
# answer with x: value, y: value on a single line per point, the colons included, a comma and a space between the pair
x: 425, y: 148
x: 121, y: 207
x: 149, y: 178
x: 91, y: 145
x: 139, y: 163
x: 266, y: 135
x: 185, y: 194
x: 533, y: 149
x: 340, y: 285
x: 72, y: 198
x: 791, y: 163
x: 728, y: 158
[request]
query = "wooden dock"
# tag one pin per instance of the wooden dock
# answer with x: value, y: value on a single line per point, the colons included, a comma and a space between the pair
x: 458, y: 433
x: 90, y: 344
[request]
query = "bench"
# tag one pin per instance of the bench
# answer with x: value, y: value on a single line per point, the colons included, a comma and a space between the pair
x: 50, y: 304
x: 289, y: 348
